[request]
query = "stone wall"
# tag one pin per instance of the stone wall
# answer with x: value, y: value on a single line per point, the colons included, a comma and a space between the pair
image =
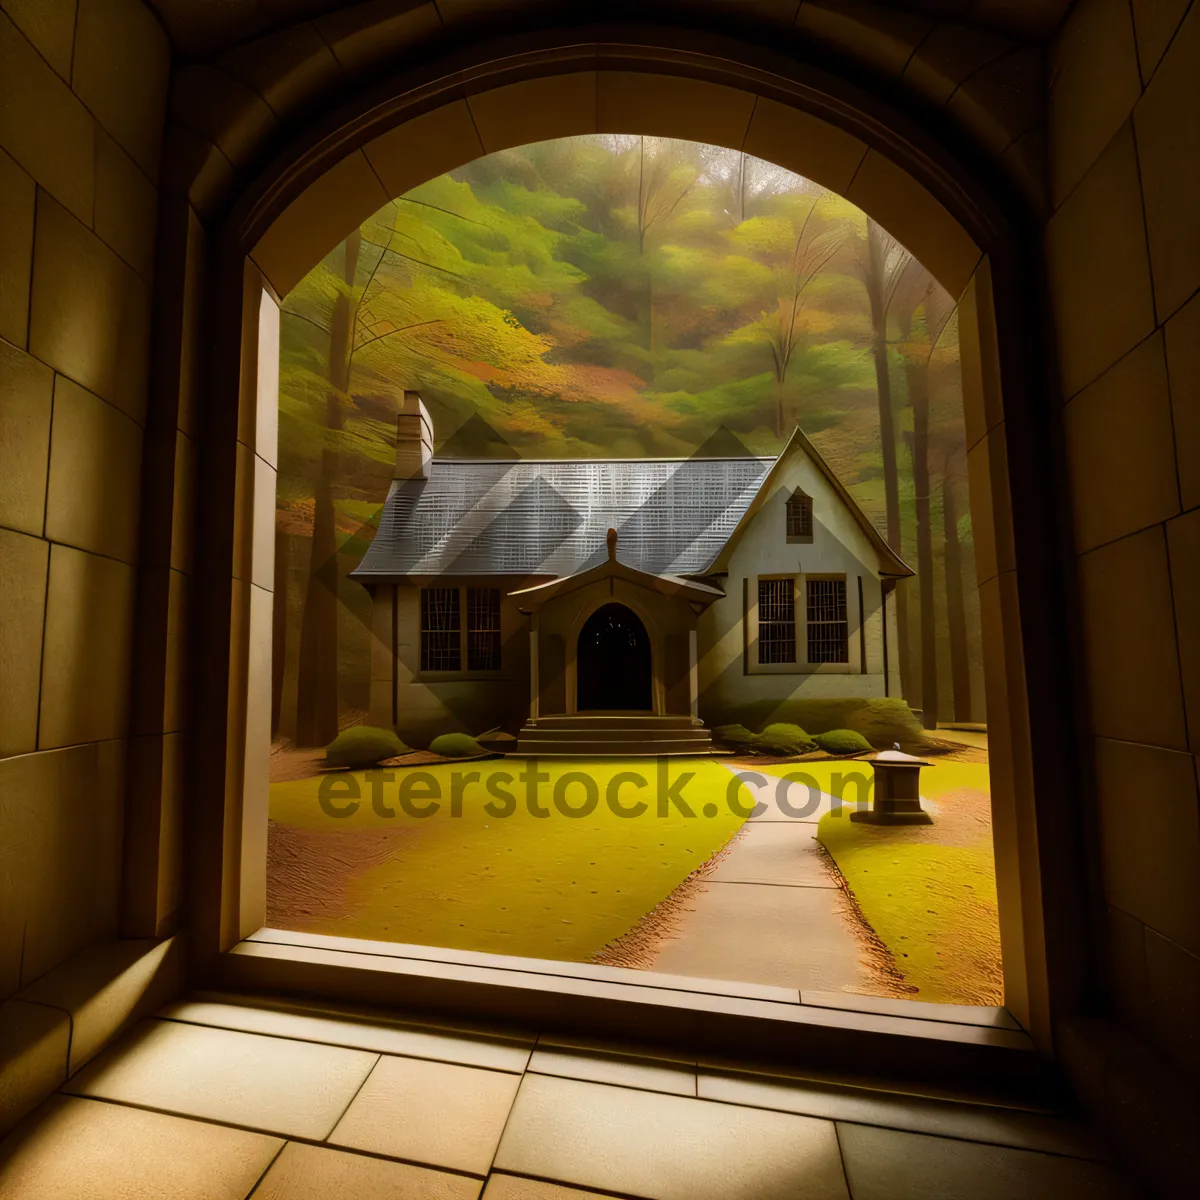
x: 81, y: 118
x: 1123, y: 251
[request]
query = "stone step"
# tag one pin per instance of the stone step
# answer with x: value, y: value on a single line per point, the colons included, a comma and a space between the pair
x: 648, y: 747
x: 607, y: 720
x: 614, y: 734
x: 613, y: 731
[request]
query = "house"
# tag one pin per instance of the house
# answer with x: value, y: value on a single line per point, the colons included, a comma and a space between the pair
x: 619, y: 604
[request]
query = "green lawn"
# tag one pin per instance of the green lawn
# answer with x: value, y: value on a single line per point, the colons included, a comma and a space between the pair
x: 554, y: 887
x: 929, y: 892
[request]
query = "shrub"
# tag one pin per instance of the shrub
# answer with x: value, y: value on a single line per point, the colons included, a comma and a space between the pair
x: 882, y: 720
x: 842, y: 741
x: 737, y: 736
x: 363, y: 746
x: 455, y: 745
x: 784, y: 739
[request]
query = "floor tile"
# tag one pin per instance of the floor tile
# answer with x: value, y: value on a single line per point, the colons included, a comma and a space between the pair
x: 315, y: 1173
x: 795, y: 937
x: 293, y: 1088
x: 499, y: 1055
x: 947, y: 1119
x: 882, y: 1164
x: 33, y: 1057
x: 86, y: 1149
x: 641, y: 1073
x: 513, y: 1187
x: 428, y: 1112
x: 667, y: 1147
x: 774, y: 852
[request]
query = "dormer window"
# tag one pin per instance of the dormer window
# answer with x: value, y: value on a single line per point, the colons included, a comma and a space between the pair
x: 799, y: 517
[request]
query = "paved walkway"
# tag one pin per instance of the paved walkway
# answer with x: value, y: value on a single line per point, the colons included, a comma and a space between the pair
x: 771, y: 911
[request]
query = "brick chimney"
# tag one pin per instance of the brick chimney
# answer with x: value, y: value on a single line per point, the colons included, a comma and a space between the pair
x: 414, y: 439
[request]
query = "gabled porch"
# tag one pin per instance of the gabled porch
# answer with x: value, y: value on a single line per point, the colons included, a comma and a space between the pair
x: 613, y: 662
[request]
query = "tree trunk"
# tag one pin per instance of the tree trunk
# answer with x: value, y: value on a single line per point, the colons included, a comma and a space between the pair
x: 875, y: 281
x: 956, y: 607
x: 317, y: 706
x: 641, y: 201
x: 917, y: 376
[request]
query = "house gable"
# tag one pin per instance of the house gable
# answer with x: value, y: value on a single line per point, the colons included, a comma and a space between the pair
x: 837, y: 520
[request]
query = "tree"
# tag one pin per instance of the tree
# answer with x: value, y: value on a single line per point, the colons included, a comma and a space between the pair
x: 883, y: 262
x: 922, y: 309
x: 665, y: 178
x: 608, y: 294
x: 956, y: 608
x: 798, y: 250
x: 317, y: 707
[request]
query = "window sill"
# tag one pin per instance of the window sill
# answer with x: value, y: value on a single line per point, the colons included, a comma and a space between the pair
x: 462, y: 677
x: 935, y: 1041
x: 801, y: 669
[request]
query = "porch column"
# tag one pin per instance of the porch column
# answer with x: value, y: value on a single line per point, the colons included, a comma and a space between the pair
x: 533, y: 668
x: 693, y: 676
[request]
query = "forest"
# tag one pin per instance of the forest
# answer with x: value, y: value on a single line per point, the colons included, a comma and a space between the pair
x: 618, y: 296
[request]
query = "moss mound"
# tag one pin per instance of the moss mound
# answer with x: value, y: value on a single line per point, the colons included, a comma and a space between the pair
x: 737, y: 736
x: 842, y: 741
x: 784, y: 739
x: 455, y: 745
x: 882, y: 720
x: 363, y: 746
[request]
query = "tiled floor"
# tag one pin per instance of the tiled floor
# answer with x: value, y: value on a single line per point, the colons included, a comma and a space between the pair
x: 220, y: 1101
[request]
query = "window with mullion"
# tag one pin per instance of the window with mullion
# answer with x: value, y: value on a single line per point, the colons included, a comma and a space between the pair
x: 776, y: 621
x: 483, y: 629
x: 441, y: 629
x: 828, y: 628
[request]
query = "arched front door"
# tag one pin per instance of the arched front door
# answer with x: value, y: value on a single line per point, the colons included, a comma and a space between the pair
x: 613, y: 666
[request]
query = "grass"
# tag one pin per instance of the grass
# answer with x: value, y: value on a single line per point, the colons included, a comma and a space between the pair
x: 932, y: 902
x: 547, y: 887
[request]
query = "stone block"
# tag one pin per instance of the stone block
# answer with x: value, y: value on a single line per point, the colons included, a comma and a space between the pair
x: 1118, y: 436
x: 1128, y: 633
x: 26, y: 395
x: 89, y: 637
x: 121, y: 67
x: 93, y: 499
x: 90, y: 315
x: 17, y: 194
x: 43, y: 125
x: 1099, y: 271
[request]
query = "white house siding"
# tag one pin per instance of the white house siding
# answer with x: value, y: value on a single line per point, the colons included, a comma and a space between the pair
x: 839, y: 547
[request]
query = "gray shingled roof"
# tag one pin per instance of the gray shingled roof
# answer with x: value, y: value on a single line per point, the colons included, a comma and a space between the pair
x: 551, y: 517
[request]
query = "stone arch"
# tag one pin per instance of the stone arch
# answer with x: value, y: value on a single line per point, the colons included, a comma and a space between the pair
x: 939, y: 193
x: 409, y: 144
